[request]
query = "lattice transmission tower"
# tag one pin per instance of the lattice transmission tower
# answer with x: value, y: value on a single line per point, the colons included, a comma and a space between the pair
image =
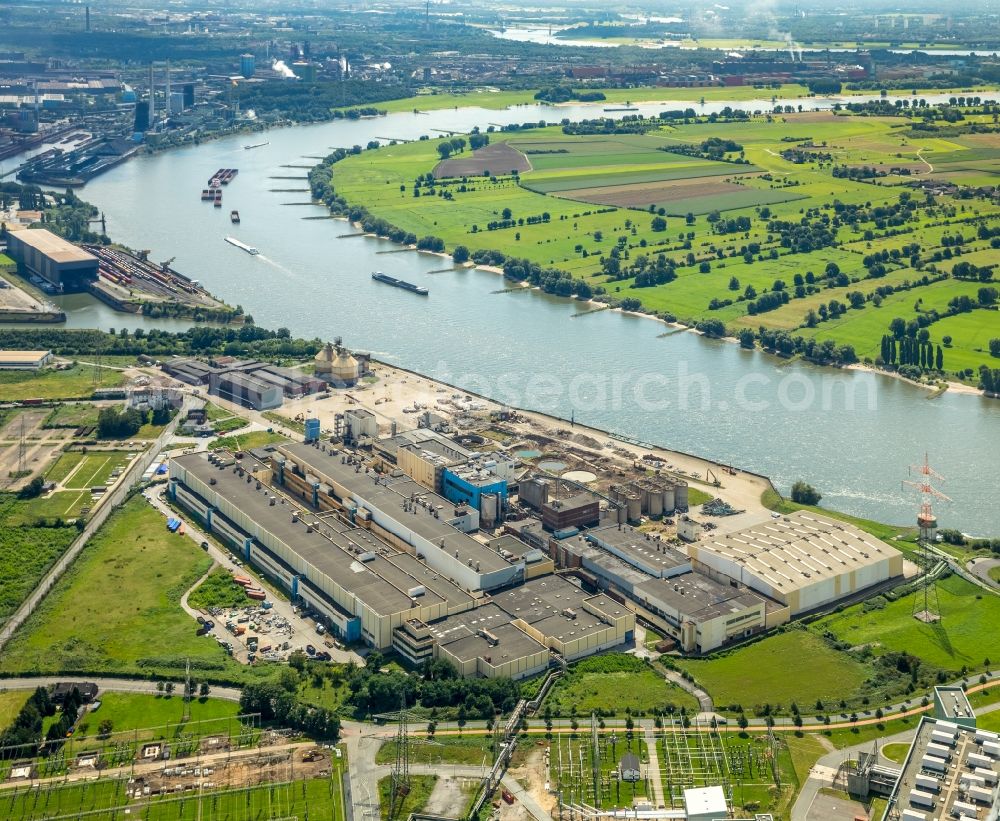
x: 925, y: 605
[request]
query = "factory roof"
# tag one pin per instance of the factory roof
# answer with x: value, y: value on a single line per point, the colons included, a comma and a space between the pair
x: 54, y: 246
x: 640, y: 548
x: 968, y: 751
x: 475, y: 476
x: 246, y: 380
x: 699, y: 597
x: 389, y: 496
x: 19, y: 357
x: 571, y: 502
x: 555, y: 607
x: 798, y: 550
x: 326, y: 545
x: 425, y: 439
x: 460, y: 634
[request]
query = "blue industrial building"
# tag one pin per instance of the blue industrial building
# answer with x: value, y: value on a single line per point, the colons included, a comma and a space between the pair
x: 468, y: 487
x: 312, y: 429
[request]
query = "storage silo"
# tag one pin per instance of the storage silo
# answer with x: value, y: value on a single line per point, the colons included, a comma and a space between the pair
x: 681, y: 495
x: 634, y: 502
x: 654, y: 500
x: 667, y: 500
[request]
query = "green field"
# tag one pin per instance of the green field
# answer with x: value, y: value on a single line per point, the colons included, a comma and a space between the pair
x: 11, y: 703
x: 96, y: 468
x: 218, y: 590
x: 573, y: 174
x: 471, y: 750
x: 106, y: 800
x: 614, y: 683
x: 117, y: 609
x: 965, y: 636
x: 158, y: 716
x: 26, y: 552
x: 75, y: 382
x: 72, y: 415
x: 791, y: 666
x: 421, y: 787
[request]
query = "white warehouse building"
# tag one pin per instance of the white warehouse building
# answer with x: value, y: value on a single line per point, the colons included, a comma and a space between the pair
x: 804, y: 561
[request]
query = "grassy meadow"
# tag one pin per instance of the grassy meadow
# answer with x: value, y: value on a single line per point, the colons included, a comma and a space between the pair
x: 588, y: 194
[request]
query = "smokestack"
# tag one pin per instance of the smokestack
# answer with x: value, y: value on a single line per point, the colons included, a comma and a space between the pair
x: 167, y: 98
x: 88, y: 18
x: 152, y: 98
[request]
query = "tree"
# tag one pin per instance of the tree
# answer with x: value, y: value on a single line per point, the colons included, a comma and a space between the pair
x: 204, y: 689
x: 805, y: 494
x: 104, y: 728
x: 734, y: 284
x: 506, y: 213
x: 658, y: 224
x: 460, y: 254
x: 746, y: 337
x: 33, y: 489
x: 168, y: 688
x: 444, y: 149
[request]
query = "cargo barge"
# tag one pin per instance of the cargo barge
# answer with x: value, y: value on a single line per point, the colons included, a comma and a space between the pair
x: 378, y: 276
x: 255, y: 145
x: 242, y: 246
x: 223, y: 176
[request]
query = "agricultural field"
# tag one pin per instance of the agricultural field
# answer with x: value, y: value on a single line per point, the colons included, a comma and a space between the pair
x: 614, y: 683
x: 76, y: 382
x: 117, y: 609
x: 650, y: 217
x: 759, y: 673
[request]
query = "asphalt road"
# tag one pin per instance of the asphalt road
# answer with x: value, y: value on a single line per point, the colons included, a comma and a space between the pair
x: 112, y: 685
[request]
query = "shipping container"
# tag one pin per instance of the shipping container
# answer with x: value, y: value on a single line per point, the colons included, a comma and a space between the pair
x: 912, y: 815
x: 981, y: 794
x: 988, y: 775
x: 921, y: 799
x: 927, y: 783
x: 960, y: 808
x: 929, y: 762
x: 938, y: 751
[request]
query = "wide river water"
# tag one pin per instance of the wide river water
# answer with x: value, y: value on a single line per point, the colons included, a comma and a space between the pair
x: 852, y: 434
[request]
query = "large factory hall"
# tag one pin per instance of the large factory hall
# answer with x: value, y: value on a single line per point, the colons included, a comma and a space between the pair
x: 389, y: 561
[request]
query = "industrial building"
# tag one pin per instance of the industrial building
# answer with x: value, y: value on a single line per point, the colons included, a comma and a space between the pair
x: 58, y: 262
x: 950, y: 771
x: 338, y: 366
x: 24, y: 360
x: 804, y: 561
x: 380, y: 567
x: 253, y: 384
x: 698, y: 612
x: 399, y: 511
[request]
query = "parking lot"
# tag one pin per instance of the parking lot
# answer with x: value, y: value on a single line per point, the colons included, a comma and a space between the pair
x: 279, y: 627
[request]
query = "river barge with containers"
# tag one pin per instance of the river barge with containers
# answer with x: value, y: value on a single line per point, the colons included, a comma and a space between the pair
x: 378, y: 276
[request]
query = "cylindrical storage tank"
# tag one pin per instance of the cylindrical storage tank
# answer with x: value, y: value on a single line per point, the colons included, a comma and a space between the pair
x: 634, y: 507
x: 667, y: 498
x: 654, y: 501
x: 488, y: 507
x: 681, y: 496
x: 622, y: 514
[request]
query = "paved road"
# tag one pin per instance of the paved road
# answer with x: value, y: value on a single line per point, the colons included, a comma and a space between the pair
x: 982, y: 568
x: 113, y: 685
x: 108, y: 503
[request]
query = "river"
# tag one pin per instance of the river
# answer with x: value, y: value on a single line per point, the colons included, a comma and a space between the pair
x: 549, y: 36
x: 852, y: 434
